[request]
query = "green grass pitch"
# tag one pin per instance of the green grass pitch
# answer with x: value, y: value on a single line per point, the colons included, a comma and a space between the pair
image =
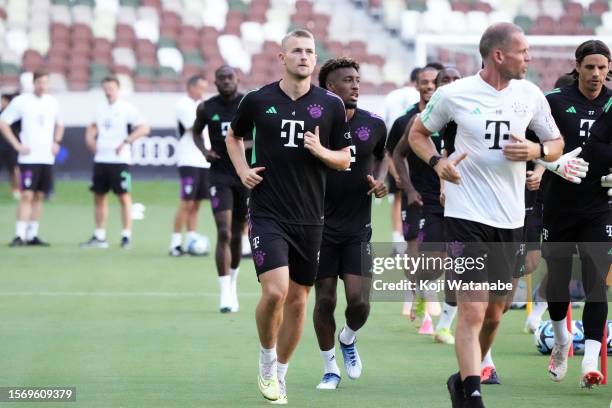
x: 140, y: 329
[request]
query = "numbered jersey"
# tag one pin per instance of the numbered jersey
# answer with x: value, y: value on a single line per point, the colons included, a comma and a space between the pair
x: 216, y: 113
x: 491, y: 190
x: 347, y: 203
x: 575, y: 115
x: 293, y: 185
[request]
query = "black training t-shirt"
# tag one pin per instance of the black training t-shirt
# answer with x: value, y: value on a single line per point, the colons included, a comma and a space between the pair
x: 399, y: 127
x: 425, y: 179
x: 217, y: 114
x: 348, y: 207
x: 574, y: 115
x: 293, y: 186
x: 598, y: 152
x: 5, y: 146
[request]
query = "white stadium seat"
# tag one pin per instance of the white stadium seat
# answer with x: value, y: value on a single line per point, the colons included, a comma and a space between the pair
x: 39, y: 40
x: 232, y: 51
x: 392, y: 10
x: 214, y: 13
x: 252, y: 36
x: 147, y: 29
x: 108, y: 5
x: 82, y: 14
x: 439, y: 6
x: 147, y: 13
x: 57, y: 83
x: 127, y: 85
x: 410, y: 24
x: 476, y: 22
x: 370, y: 73
x: 125, y: 57
x: 274, y: 31
x: 17, y: 41
x: 126, y: 15
x: 170, y: 57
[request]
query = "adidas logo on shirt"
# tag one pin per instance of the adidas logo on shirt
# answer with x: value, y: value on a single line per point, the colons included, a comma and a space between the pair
x: 571, y: 109
x: 476, y: 111
x: 271, y: 109
x: 215, y: 117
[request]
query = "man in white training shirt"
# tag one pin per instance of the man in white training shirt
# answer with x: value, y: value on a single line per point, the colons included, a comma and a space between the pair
x: 41, y: 135
x: 117, y: 125
x: 192, y: 166
x: 485, y: 183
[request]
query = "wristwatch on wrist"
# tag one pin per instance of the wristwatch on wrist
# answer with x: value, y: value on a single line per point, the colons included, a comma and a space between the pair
x: 543, y: 150
x: 434, y: 160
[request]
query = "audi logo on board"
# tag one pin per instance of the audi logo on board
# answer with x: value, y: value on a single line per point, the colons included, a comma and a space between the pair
x: 155, y: 151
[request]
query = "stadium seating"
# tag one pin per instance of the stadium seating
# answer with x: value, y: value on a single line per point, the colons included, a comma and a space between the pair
x: 409, y: 18
x: 157, y: 44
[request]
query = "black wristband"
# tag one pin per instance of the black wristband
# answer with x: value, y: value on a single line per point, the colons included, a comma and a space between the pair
x: 434, y: 160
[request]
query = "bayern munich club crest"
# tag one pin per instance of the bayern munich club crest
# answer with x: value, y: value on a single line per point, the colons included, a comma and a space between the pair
x: 363, y: 133
x: 259, y: 257
x: 315, y: 111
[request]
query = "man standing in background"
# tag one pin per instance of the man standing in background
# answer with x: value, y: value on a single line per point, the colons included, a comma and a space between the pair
x: 228, y: 197
x: 41, y: 135
x: 192, y: 167
x: 8, y: 155
x: 117, y: 125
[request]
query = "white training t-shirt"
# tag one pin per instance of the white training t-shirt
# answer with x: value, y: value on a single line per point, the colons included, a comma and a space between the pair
x: 398, y: 101
x: 492, y: 188
x: 38, y: 116
x: 115, y: 122
x: 188, y: 152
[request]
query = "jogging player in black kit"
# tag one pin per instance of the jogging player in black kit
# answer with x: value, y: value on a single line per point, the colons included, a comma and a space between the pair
x: 425, y: 185
x: 228, y: 197
x: 580, y: 213
x: 299, y: 130
x: 348, y: 208
x: 411, y: 202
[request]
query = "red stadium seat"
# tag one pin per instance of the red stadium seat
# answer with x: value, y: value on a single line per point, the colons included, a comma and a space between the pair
x: 31, y: 60
x: 303, y: 8
x: 168, y: 84
x: 121, y: 69
x: 59, y: 32
x: 81, y: 33
x: 598, y: 7
x: 482, y: 6
x: 78, y: 62
x: 56, y: 63
x: 462, y: 6
x: 124, y: 36
x: 573, y: 9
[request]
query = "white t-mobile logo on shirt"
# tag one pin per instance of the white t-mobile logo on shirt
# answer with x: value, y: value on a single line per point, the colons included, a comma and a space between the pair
x: 584, y: 130
x: 224, y: 127
x: 292, y: 131
x: 609, y: 230
x: 353, y: 151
